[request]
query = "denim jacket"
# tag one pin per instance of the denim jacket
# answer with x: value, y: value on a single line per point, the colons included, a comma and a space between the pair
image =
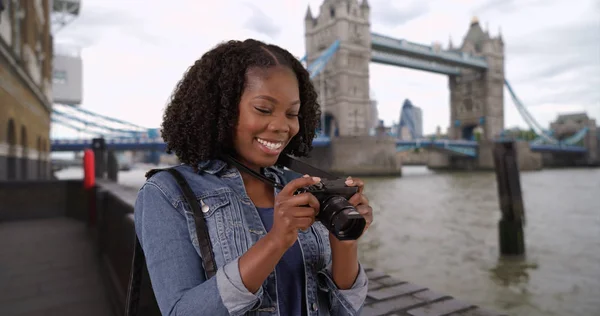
x: 166, y: 230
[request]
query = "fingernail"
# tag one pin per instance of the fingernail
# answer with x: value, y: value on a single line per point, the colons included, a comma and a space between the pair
x: 305, y: 176
x: 349, y: 182
x: 349, y: 177
x: 316, y: 179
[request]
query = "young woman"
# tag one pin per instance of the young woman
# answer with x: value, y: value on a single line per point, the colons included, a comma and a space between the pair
x: 255, y: 101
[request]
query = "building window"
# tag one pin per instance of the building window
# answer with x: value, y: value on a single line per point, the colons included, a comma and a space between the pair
x: 4, y: 9
x: 5, y: 21
x: 59, y: 77
x: 18, y: 17
x: 332, y: 12
x: 39, y: 51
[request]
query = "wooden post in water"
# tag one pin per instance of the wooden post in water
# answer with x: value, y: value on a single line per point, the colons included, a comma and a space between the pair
x: 512, y: 239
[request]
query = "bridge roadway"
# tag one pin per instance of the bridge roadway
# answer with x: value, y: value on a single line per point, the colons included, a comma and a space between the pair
x: 400, y: 52
x: 54, y: 263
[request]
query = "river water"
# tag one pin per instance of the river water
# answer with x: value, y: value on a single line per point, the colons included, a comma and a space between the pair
x: 439, y: 229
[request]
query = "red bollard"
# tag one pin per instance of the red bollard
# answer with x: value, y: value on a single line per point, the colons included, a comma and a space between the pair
x: 89, y: 183
x: 89, y: 175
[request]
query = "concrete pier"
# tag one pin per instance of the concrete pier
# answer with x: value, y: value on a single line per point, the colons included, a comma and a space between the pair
x: 360, y: 156
x: 527, y: 160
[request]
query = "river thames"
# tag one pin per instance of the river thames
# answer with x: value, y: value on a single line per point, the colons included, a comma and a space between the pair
x: 439, y: 229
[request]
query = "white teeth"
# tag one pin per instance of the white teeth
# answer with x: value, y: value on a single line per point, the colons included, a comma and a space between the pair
x: 273, y: 146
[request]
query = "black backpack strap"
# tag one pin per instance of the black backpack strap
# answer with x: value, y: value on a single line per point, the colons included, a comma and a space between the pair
x: 208, y: 258
x: 139, y: 261
x: 152, y: 172
x: 138, y: 265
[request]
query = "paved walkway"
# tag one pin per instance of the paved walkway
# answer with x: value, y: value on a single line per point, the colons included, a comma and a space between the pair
x: 48, y: 267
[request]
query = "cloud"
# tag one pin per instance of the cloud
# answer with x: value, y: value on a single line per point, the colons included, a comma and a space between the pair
x: 500, y: 5
x: 261, y: 23
x: 98, y: 20
x: 581, y: 38
x: 564, y: 63
x: 391, y: 15
x: 565, y: 94
x: 508, y: 6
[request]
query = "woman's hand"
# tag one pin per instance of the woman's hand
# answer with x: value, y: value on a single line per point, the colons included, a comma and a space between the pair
x: 361, y: 203
x: 293, y: 212
x: 345, y: 253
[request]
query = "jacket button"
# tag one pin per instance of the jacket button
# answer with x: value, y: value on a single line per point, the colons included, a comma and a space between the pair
x: 315, y: 306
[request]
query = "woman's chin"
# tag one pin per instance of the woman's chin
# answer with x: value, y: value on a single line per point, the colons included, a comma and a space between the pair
x: 268, y: 162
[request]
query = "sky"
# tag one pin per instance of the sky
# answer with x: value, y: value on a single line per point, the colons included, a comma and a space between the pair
x: 135, y: 51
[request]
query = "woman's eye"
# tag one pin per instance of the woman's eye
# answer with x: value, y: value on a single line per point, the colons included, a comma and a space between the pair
x: 293, y: 114
x: 264, y: 111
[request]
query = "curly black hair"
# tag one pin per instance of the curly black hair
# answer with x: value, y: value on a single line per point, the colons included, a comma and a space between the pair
x: 200, y: 120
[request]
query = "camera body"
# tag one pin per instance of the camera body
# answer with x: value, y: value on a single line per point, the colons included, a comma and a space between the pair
x: 337, y: 214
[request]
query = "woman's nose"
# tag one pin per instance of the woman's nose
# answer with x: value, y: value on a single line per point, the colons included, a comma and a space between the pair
x: 279, y: 124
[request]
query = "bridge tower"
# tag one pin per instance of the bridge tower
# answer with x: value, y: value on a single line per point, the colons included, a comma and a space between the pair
x: 348, y: 114
x: 343, y: 85
x: 477, y: 98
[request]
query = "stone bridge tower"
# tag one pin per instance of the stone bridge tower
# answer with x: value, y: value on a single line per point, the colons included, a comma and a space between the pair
x: 477, y: 98
x: 343, y: 85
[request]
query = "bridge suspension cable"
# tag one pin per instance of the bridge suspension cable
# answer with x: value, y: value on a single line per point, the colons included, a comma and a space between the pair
x: 575, y: 138
x: 319, y: 64
x: 543, y: 135
x: 67, y: 119
x: 62, y: 122
x: 110, y: 119
x: 315, y: 68
x: 85, y: 129
x: 67, y: 115
x: 533, y: 124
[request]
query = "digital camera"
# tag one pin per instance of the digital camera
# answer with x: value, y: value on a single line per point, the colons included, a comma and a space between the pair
x: 337, y: 214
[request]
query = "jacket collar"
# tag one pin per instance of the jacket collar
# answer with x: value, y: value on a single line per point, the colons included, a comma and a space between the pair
x: 211, y: 166
x: 216, y: 165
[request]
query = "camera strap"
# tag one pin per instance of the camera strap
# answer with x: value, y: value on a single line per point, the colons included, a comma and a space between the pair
x: 302, y: 167
x: 285, y: 161
x: 242, y: 167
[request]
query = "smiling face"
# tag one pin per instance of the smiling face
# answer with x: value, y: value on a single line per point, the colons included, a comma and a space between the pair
x: 268, y: 116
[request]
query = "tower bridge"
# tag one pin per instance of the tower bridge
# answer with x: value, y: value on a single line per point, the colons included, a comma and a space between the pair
x: 339, y: 47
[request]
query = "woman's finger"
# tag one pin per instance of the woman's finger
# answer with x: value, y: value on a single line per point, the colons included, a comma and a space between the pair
x: 302, y: 199
x: 355, y: 182
x: 302, y: 211
x: 359, y: 199
x: 367, y: 213
x: 303, y: 223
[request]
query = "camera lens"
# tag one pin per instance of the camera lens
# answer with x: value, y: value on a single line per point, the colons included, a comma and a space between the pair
x: 341, y: 218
